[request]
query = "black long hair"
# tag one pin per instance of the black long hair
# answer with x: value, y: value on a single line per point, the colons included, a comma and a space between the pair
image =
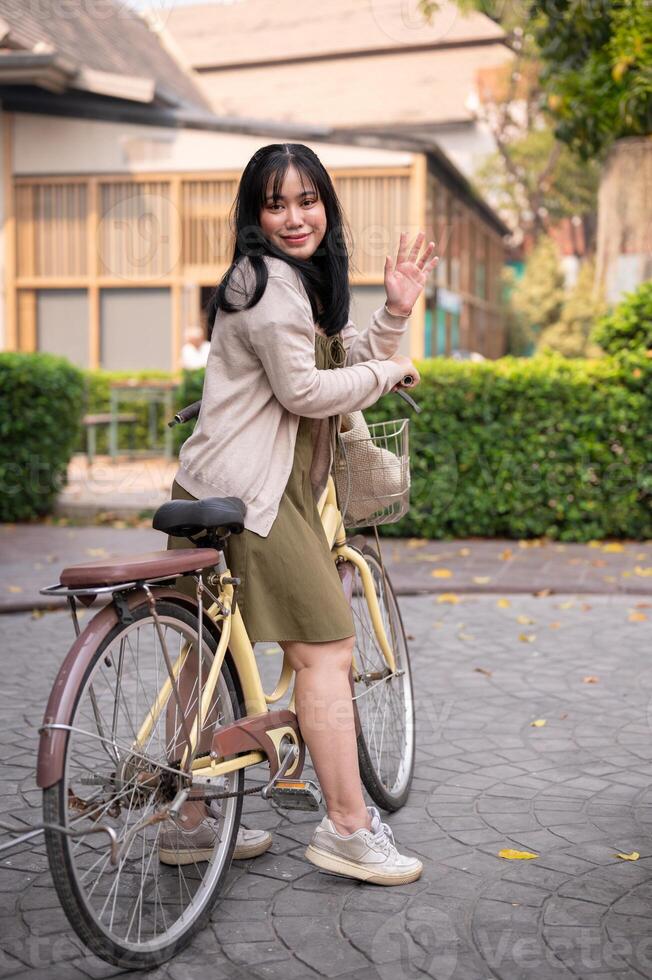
x: 325, y: 274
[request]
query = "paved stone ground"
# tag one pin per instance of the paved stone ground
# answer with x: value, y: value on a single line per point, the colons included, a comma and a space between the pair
x: 576, y: 791
x: 32, y: 556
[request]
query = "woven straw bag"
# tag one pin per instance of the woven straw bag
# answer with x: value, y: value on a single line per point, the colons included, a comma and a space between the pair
x: 367, y: 476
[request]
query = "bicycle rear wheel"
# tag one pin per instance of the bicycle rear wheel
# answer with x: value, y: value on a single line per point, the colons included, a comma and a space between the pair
x: 384, y: 701
x: 140, y: 912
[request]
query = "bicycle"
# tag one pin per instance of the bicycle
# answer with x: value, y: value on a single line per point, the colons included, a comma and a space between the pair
x: 159, y: 702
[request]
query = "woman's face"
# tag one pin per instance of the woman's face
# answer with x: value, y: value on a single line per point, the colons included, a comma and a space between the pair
x: 298, y: 214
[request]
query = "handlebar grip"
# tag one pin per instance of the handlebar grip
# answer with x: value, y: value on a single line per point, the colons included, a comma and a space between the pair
x: 185, y: 414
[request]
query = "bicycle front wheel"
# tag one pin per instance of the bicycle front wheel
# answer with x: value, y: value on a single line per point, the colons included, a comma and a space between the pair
x: 122, y: 770
x: 384, y: 700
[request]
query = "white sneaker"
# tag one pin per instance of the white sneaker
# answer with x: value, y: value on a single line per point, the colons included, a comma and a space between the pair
x: 370, y: 855
x: 179, y: 847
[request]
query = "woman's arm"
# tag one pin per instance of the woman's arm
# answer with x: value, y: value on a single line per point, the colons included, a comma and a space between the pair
x: 380, y: 340
x: 280, y: 331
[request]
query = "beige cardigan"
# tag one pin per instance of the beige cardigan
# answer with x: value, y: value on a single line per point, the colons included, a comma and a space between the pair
x: 261, y: 377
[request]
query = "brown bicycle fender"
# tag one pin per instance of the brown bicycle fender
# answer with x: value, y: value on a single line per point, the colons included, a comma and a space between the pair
x: 52, y: 743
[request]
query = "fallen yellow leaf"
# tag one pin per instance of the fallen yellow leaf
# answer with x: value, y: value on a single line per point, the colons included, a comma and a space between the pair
x: 416, y: 542
x: 595, y: 544
x: 634, y: 856
x: 481, y: 579
x: 542, y: 592
x: 567, y: 605
x: 512, y: 855
x: 464, y: 552
x: 448, y: 597
x: 15, y: 588
x: 642, y: 571
x: 538, y: 723
x: 441, y: 573
x: 503, y: 603
x: 524, y: 620
x: 637, y: 617
x: 590, y: 679
x: 613, y: 546
x: 527, y: 637
x: 554, y: 625
x: 506, y: 554
x: 465, y: 636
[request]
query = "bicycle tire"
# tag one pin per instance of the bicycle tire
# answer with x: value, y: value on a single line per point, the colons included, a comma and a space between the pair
x: 386, y: 793
x: 59, y: 846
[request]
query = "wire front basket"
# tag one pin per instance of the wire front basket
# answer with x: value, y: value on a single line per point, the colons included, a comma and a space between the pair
x: 372, y: 471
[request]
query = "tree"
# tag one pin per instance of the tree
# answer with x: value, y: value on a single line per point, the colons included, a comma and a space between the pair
x: 532, y: 179
x: 535, y: 181
x: 571, y: 334
x: 597, y: 58
x: 537, y: 298
x: 629, y: 326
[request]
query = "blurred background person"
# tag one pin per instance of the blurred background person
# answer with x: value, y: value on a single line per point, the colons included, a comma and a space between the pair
x: 194, y: 352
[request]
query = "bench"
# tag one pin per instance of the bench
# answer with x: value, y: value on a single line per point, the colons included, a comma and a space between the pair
x: 91, y: 423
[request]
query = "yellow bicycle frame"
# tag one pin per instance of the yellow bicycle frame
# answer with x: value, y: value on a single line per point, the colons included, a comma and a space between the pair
x: 234, y: 637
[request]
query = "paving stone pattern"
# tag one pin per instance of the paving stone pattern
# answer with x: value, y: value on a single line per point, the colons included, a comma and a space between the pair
x: 576, y: 791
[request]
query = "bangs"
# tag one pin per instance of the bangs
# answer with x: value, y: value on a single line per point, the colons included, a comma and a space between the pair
x: 308, y: 183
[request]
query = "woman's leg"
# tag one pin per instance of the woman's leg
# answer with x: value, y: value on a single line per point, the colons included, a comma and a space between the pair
x: 325, y: 712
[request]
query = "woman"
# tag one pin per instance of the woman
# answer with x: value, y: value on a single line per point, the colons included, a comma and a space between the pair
x: 269, y: 415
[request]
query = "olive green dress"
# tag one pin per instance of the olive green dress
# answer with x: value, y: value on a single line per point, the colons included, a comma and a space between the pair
x: 290, y: 588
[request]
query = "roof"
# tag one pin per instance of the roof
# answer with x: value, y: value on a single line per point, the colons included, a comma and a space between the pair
x: 97, y: 46
x: 250, y: 32
x: 341, y: 63
x: 422, y: 89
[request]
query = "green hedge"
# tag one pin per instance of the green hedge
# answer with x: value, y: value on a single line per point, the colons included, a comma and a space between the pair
x: 98, y: 400
x: 518, y: 448
x: 628, y: 327
x: 41, y: 402
x: 522, y: 448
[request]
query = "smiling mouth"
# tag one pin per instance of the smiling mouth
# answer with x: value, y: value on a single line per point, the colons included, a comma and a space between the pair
x: 295, y: 238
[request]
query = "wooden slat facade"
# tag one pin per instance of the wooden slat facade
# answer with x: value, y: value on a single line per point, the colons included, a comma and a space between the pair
x: 172, y: 230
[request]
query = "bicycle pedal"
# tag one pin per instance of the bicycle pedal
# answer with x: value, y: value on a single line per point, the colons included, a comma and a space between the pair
x: 296, y: 794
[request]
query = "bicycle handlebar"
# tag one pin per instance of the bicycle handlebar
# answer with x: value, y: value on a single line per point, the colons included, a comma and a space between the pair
x: 192, y: 411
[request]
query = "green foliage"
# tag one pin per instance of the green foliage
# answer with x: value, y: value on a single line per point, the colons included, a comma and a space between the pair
x: 98, y: 400
x: 537, y: 298
x: 571, y: 335
x: 597, y: 69
x: 629, y: 326
x: 569, y: 189
x: 520, y: 336
x: 41, y: 397
x: 189, y: 391
x: 523, y: 448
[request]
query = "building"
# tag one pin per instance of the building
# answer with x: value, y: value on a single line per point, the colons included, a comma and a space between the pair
x: 374, y: 67
x: 118, y: 179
